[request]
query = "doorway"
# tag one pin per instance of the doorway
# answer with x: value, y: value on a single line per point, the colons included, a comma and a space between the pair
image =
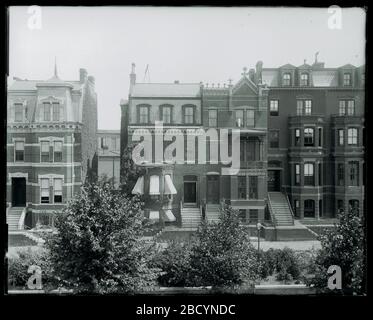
x: 212, y: 195
x: 190, y: 191
x: 274, y: 181
x: 18, y: 192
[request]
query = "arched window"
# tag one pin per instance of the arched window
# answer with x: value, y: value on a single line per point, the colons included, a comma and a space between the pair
x: 166, y: 113
x: 304, y: 79
x: 143, y: 113
x: 309, y: 208
x: 286, y: 79
x: 189, y: 116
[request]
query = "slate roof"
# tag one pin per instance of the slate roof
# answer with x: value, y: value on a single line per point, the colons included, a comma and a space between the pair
x: 31, y: 84
x: 166, y: 90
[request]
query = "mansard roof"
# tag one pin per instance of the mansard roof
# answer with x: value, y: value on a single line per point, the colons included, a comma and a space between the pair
x: 31, y: 85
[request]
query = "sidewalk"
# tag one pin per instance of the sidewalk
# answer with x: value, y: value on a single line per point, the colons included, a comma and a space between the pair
x: 295, y: 245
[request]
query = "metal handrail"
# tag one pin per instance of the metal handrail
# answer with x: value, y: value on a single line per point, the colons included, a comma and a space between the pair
x: 291, y: 209
x: 273, y: 218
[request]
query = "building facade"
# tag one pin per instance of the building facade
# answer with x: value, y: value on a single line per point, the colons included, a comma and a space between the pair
x: 300, y: 135
x: 51, y: 145
x: 108, y: 143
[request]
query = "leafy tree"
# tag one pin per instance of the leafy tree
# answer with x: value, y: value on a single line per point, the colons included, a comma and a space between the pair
x: 342, y: 246
x: 223, y: 254
x: 97, y: 247
x: 129, y: 171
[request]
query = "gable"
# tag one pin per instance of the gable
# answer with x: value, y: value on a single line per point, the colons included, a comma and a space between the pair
x: 245, y: 88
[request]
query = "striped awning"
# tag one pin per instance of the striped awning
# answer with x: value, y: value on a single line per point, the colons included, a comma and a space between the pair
x: 169, y: 187
x: 139, y: 186
x: 170, y: 216
x: 154, y: 185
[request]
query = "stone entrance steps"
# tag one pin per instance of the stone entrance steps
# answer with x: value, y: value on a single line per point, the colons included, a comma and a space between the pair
x: 13, y: 216
x: 280, y: 209
x: 212, y: 212
x: 190, y: 217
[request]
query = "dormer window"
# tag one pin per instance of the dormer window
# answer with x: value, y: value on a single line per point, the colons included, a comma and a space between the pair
x: 46, y: 111
x: 56, y: 111
x: 304, y: 79
x: 347, y: 79
x: 18, y: 112
x: 286, y: 79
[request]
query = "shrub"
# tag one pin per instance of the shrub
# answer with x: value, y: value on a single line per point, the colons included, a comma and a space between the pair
x: 18, y: 267
x: 342, y: 246
x: 283, y: 262
x: 174, y: 262
x: 98, y: 246
x: 223, y: 254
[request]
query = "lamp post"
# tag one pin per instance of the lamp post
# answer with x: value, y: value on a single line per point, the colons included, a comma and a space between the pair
x: 258, y: 227
x: 114, y: 164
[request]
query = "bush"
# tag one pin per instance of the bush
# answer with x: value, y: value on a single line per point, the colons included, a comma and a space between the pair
x: 174, y: 262
x: 284, y: 262
x: 342, y: 246
x: 223, y: 254
x: 98, y: 246
x: 18, y: 267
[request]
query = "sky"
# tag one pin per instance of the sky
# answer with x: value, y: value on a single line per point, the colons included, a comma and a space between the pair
x: 189, y: 44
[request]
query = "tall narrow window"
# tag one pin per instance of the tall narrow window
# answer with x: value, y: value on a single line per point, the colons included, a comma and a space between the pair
x: 352, y: 136
x: 304, y: 79
x: 273, y: 108
x: 309, y: 177
x: 242, y: 215
x: 342, y: 107
x: 18, y: 112
x: 351, y: 107
x: 273, y: 139
x: 253, y: 187
x: 341, y: 137
x: 166, y: 114
x: 354, y: 173
x: 308, y: 137
x: 299, y: 107
x: 46, y: 111
x: 250, y: 118
x: 44, y: 151
x: 56, y: 111
x: 307, y: 107
x: 20, y: 151
x: 286, y: 79
x: 320, y: 137
x: 297, y: 174
x: 57, y: 189
x: 144, y: 114
x: 340, y: 174
x: 188, y: 115
x: 297, y: 137
x: 241, y: 187
x: 213, y: 118
x: 57, y: 151
x: 347, y: 79
x: 239, y: 118
x: 44, y: 190
x: 320, y: 174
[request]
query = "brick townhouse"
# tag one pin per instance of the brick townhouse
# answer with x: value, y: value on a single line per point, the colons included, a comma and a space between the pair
x: 51, y: 145
x: 301, y: 144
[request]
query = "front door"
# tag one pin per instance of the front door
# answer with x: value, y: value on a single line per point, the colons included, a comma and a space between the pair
x: 212, y: 189
x: 273, y: 180
x: 18, y: 192
x: 190, y: 192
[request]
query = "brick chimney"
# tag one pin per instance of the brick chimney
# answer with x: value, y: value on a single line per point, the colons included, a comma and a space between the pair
x: 83, y: 75
x: 133, y: 75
